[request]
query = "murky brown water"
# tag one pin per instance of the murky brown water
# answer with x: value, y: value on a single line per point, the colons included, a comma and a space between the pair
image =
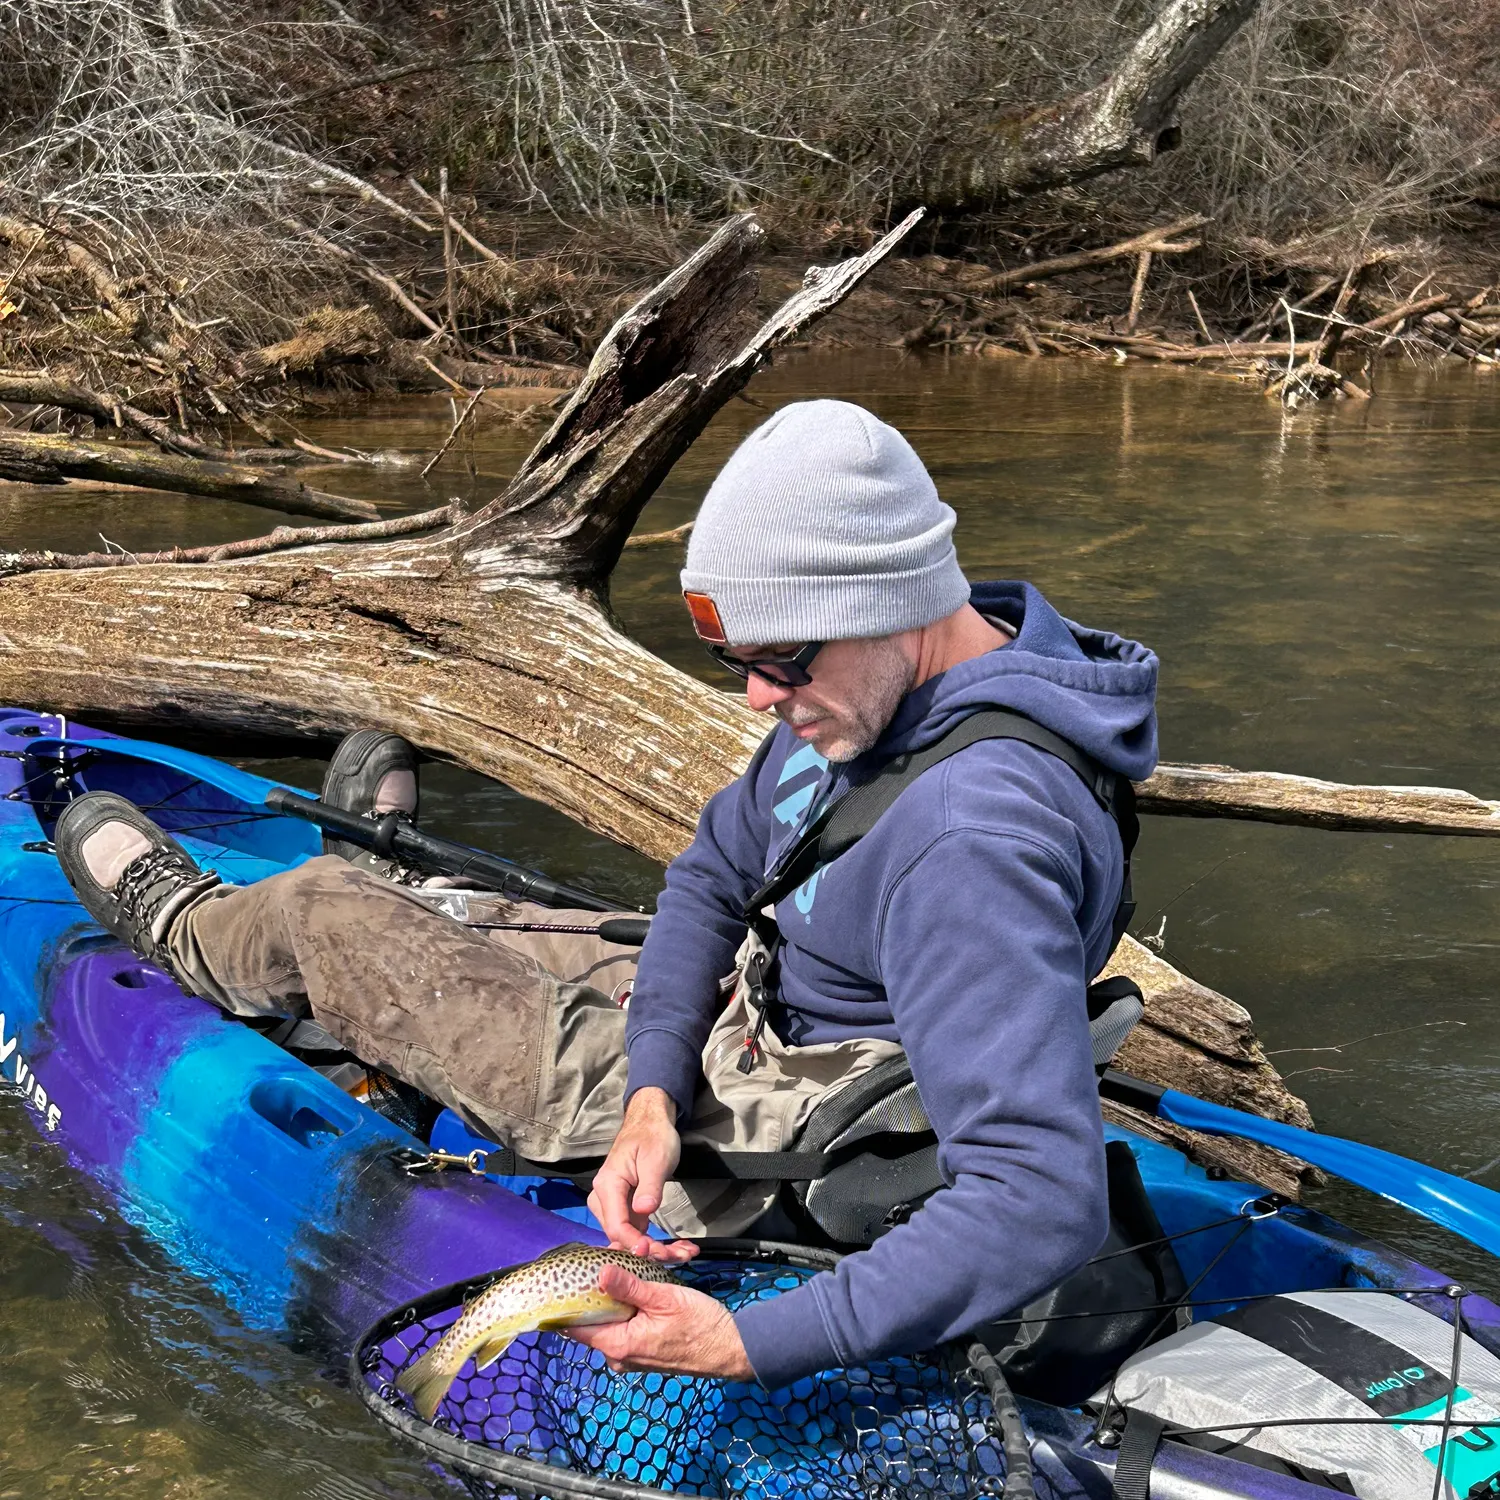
x: 1324, y: 592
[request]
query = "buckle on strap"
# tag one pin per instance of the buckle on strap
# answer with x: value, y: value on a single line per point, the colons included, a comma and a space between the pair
x: 754, y: 981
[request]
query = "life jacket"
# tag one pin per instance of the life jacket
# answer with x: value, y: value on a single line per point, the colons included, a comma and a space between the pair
x: 866, y: 1158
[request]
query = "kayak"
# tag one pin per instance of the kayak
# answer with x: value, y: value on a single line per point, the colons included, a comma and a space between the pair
x: 315, y: 1216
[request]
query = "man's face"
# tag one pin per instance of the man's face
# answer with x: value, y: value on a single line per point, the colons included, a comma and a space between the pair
x: 855, y: 689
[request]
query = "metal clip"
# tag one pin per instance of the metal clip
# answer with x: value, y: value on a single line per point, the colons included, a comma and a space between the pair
x: 1267, y: 1206
x: 415, y: 1163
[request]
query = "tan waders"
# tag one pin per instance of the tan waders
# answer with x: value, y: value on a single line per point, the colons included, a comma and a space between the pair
x: 521, y: 1033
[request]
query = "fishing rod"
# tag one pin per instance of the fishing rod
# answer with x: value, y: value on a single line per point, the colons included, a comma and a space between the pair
x: 1466, y: 1208
x: 392, y: 837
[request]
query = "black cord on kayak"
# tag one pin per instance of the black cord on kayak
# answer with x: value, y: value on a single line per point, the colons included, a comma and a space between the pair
x: 1020, y: 1479
x: 395, y: 839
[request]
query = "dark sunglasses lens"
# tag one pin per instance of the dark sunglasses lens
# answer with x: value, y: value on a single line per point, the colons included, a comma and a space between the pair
x: 782, y: 674
x: 778, y: 673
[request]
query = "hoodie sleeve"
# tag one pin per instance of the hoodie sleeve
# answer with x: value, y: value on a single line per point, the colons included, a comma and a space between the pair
x: 994, y: 1021
x: 694, y: 936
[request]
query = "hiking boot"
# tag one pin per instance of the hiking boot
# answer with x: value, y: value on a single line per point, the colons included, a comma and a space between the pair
x: 131, y: 877
x: 372, y: 773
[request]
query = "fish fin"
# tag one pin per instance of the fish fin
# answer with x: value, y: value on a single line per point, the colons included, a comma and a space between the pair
x: 427, y: 1382
x: 562, y: 1250
x: 491, y: 1350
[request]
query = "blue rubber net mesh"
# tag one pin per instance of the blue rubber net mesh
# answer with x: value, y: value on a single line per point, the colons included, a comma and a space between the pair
x: 898, y: 1428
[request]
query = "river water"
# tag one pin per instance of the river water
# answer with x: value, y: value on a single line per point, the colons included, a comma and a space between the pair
x: 1324, y: 592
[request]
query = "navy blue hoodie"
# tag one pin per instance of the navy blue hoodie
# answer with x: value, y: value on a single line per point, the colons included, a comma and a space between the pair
x: 966, y: 926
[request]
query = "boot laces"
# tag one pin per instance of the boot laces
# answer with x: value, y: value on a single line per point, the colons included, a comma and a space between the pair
x: 147, y: 881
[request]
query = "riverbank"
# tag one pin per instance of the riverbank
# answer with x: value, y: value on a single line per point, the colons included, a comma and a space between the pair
x: 438, y: 308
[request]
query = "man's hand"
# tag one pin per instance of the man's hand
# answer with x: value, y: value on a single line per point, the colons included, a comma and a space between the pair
x: 628, y: 1187
x: 675, y: 1329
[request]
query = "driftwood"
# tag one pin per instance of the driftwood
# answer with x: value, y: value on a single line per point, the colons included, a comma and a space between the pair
x: 54, y: 458
x: 491, y: 642
x: 1273, y: 797
x: 274, y: 541
x: 40, y: 388
x: 1205, y: 1044
x: 1154, y: 241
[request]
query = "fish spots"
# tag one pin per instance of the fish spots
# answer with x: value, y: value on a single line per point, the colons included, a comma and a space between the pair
x: 558, y: 1290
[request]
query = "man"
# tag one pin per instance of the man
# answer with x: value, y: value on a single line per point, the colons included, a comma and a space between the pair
x: 963, y: 929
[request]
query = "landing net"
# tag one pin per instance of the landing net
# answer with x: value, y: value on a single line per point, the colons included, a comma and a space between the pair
x: 548, y: 1418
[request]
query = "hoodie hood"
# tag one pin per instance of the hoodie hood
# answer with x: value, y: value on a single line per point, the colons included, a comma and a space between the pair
x: 1093, y: 687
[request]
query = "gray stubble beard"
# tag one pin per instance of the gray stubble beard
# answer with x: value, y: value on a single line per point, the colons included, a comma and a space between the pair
x: 890, y: 676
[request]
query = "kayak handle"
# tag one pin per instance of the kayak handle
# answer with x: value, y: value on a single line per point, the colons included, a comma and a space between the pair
x: 394, y: 839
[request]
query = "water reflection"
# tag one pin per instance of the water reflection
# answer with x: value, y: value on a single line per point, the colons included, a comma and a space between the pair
x: 1322, y: 590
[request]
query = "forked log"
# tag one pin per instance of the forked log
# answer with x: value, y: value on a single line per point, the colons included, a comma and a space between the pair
x: 491, y: 642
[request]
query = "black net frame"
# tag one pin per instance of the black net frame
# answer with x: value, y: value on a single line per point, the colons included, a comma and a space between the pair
x: 896, y: 1430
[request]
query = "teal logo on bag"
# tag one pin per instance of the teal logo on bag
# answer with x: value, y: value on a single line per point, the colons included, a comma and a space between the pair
x: 1395, y: 1381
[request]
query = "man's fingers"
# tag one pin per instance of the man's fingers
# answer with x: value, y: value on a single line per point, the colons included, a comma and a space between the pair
x: 652, y: 1168
x: 610, y: 1204
x: 625, y: 1286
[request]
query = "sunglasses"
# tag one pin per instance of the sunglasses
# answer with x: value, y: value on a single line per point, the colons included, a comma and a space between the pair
x: 780, y: 671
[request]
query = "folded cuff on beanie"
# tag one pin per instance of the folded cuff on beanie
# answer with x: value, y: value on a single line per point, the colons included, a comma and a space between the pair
x: 834, y: 607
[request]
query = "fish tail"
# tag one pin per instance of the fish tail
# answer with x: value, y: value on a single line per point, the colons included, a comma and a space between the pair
x: 427, y: 1381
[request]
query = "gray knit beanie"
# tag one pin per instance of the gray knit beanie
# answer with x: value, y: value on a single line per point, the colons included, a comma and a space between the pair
x: 822, y: 526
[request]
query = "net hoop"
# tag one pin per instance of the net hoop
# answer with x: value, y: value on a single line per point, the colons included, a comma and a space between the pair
x: 390, y: 1343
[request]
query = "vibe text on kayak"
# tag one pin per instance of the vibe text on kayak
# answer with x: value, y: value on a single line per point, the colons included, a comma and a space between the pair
x: 24, y: 1081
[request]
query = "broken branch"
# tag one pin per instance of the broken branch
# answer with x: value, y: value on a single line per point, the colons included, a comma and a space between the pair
x: 1158, y: 241
x: 54, y: 458
x: 453, y: 432
x: 274, y: 541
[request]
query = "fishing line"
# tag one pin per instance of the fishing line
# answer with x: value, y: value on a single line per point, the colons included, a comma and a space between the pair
x: 1181, y: 1432
x: 1193, y: 885
x: 1240, y: 1299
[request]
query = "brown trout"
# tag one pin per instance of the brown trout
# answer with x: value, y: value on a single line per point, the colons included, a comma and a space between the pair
x: 557, y: 1290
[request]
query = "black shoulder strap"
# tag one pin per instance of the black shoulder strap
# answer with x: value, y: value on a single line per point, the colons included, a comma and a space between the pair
x: 845, y: 821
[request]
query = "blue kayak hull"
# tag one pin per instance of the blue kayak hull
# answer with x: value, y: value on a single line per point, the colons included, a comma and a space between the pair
x: 295, y: 1201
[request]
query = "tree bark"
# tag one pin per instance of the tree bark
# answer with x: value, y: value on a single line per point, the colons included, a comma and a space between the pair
x: 54, y: 458
x: 1126, y: 121
x: 492, y: 642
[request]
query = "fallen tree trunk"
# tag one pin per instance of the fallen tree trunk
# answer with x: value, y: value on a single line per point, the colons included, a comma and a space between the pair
x: 1274, y: 797
x: 1126, y: 121
x: 491, y: 642
x: 54, y: 458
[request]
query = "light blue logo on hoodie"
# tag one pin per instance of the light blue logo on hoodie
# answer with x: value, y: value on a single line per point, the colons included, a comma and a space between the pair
x: 804, y: 767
